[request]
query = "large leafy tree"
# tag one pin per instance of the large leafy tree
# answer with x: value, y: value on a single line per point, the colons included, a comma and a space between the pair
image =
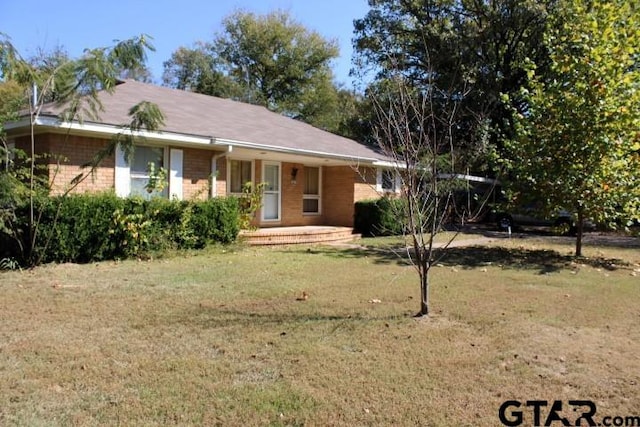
x: 196, y: 70
x: 476, y: 47
x: 273, y: 57
x: 269, y: 60
x: 579, y: 140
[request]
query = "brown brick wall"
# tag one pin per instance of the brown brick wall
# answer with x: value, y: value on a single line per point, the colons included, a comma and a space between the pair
x: 337, y: 195
x: 69, y: 153
x: 196, y: 172
x: 365, y: 184
x: 343, y: 186
x: 291, y: 194
x: 221, y: 177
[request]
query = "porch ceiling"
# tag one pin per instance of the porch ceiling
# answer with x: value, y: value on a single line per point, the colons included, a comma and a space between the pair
x: 256, y: 154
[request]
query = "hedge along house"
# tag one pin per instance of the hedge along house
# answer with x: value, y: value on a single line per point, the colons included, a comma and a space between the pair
x: 210, y: 147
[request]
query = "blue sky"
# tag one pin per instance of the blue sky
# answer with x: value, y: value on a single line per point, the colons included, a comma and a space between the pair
x: 75, y: 25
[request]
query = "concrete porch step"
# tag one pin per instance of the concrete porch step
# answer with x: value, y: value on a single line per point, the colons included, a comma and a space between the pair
x: 297, y: 235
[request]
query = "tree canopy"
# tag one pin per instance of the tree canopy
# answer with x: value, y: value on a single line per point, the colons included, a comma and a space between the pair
x: 578, y: 141
x: 473, y: 49
x: 60, y: 78
x: 270, y: 60
x: 196, y: 70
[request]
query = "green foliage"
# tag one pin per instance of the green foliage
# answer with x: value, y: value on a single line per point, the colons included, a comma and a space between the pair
x: 75, y: 84
x: 216, y: 220
x: 269, y: 60
x: 473, y: 50
x: 75, y: 229
x: 93, y: 227
x: 13, y: 97
x: 9, y: 264
x: 249, y: 202
x: 157, y: 179
x: 18, y: 185
x: 130, y: 232
x: 380, y: 217
x: 578, y: 142
x: 196, y: 70
x: 273, y: 57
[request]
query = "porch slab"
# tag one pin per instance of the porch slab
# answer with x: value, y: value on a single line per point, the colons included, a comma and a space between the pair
x: 297, y: 235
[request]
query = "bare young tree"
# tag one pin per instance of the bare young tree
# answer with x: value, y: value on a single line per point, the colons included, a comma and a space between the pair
x: 419, y: 131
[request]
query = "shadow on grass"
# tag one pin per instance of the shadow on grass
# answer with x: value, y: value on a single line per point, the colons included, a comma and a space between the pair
x: 542, y: 260
x: 278, y: 317
x: 611, y: 239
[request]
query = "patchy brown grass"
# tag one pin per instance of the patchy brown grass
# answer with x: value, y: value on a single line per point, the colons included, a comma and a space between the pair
x: 225, y: 337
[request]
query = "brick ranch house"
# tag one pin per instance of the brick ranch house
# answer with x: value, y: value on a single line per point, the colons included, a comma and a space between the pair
x: 210, y: 147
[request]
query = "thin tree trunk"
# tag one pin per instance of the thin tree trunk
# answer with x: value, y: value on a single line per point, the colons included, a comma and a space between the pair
x: 579, y: 232
x: 424, y: 290
x: 32, y: 172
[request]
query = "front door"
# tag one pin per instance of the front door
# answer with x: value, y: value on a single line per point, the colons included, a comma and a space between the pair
x: 271, y: 198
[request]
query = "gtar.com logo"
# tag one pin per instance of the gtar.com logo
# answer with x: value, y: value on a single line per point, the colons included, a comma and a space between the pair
x: 557, y: 413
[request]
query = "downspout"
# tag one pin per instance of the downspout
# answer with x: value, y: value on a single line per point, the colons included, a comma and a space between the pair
x: 214, y: 170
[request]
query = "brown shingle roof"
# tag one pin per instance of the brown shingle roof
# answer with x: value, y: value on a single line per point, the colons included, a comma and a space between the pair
x: 207, y: 116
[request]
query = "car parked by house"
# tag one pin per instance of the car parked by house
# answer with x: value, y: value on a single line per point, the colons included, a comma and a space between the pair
x: 562, y: 220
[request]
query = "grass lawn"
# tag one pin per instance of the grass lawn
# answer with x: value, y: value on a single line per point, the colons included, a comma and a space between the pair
x: 224, y: 337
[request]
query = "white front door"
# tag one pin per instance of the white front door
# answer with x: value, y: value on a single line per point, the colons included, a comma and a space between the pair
x: 271, y: 198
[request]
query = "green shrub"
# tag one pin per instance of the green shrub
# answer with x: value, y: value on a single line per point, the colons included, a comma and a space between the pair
x: 216, y: 220
x: 129, y: 233
x: 249, y: 203
x: 380, y: 217
x: 94, y: 227
x: 77, y: 228
x: 170, y: 228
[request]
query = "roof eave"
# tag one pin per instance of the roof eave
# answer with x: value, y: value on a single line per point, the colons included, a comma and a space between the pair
x: 110, y: 130
x: 52, y: 122
x: 295, y: 151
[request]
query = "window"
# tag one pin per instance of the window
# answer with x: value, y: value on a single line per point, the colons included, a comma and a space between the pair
x: 132, y: 177
x: 387, y: 181
x: 145, y: 160
x: 239, y: 174
x: 311, y: 197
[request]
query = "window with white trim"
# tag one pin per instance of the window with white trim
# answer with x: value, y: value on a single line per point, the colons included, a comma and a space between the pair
x: 240, y: 172
x: 311, y: 194
x: 145, y: 161
x: 387, y: 181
